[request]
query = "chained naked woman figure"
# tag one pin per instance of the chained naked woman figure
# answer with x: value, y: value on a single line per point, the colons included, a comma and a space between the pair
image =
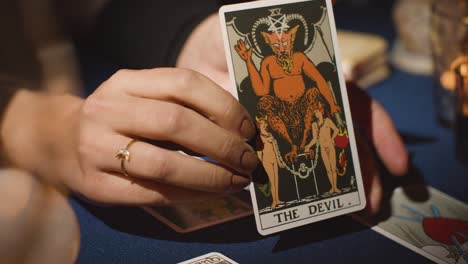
x: 268, y: 155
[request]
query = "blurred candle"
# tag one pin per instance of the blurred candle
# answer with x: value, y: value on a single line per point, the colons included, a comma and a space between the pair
x: 448, y: 31
x: 461, y: 109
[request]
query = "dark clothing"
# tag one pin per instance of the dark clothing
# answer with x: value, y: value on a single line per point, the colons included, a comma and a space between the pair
x: 133, y: 34
x: 148, y: 33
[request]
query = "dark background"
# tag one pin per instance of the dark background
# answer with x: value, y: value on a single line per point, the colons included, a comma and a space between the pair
x: 129, y: 235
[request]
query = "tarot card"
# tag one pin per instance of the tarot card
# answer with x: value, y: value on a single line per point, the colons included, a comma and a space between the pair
x: 283, y: 62
x: 436, y: 227
x: 210, y: 258
x: 184, y: 218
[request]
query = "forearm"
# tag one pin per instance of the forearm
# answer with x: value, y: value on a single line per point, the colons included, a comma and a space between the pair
x: 314, y: 139
x: 335, y: 133
x: 333, y: 128
x: 36, y: 131
x: 306, y: 132
x: 312, y: 72
x: 311, y: 143
x: 325, y: 90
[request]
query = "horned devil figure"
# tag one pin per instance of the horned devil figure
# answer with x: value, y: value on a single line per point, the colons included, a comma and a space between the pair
x: 288, y: 108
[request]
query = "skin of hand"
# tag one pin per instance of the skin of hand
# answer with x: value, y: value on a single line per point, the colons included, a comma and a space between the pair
x: 376, y: 128
x: 73, y: 141
x: 38, y: 223
x: 204, y: 52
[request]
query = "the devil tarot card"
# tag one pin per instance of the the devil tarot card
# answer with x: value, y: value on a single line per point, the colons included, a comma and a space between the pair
x: 283, y: 62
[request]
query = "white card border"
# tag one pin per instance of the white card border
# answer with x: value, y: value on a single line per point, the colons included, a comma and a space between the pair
x: 346, y: 110
x: 408, y: 245
x: 192, y: 260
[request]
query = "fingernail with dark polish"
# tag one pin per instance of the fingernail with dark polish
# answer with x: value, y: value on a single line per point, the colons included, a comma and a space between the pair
x: 249, y: 161
x: 247, y: 129
x: 260, y: 176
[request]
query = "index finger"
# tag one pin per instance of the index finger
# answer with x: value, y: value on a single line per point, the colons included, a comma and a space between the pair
x: 192, y: 90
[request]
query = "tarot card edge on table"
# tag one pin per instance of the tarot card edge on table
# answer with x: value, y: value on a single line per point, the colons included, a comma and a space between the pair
x: 298, y: 105
x: 213, y: 257
x: 435, y: 226
x: 185, y: 218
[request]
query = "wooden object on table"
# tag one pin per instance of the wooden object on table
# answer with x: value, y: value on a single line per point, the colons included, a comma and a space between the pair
x: 412, y: 51
x: 363, y: 57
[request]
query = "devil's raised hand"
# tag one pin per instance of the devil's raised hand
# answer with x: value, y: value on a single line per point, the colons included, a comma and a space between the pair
x: 244, y: 52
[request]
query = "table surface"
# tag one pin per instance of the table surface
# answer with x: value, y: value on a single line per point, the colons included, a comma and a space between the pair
x: 129, y: 235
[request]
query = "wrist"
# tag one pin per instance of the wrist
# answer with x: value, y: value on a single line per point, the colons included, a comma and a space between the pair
x: 36, y: 129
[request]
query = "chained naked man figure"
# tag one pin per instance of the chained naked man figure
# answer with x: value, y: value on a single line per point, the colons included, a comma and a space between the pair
x: 324, y: 132
x: 288, y: 109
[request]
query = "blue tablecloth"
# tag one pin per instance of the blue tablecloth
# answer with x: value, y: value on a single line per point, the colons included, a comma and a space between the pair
x: 129, y: 235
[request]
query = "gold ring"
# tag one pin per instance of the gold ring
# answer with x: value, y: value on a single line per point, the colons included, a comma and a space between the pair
x: 123, y: 155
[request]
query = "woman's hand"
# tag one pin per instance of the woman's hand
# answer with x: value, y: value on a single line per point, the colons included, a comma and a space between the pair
x: 177, y: 106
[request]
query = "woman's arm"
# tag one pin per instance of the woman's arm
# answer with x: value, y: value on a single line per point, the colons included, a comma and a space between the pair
x: 37, y: 132
x: 333, y: 128
x: 314, y: 139
x: 72, y: 141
